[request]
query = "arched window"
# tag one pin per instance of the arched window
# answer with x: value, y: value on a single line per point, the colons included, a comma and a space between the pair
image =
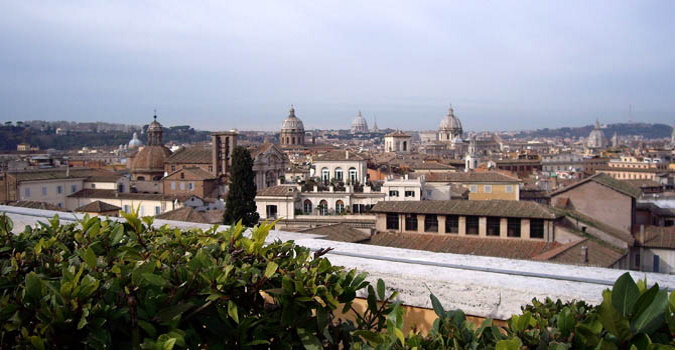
x: 405, y: 146
x: 293, y: 140
x: 353, y: 175
x: 325, y: 174
x: 338, y: 174
x: 307, y: 206
x: 339, y: 207
x: 323, y: 207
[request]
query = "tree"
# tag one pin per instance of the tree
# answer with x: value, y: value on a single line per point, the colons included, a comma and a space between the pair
x: 240, y: 203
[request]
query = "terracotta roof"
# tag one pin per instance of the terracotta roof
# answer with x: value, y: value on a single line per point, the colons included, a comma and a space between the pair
x: 340, y: 233
x: 571, y: 253
x: 660, y: 237
x: 97, y: 207
x: 607, y: 181
x: 194, y: 173
x: 338, y: 156
x: 194, y: 155
x: 466, y: 177
x: 642, y: 183
x: 498, y: 208
x: 184, y: 214
x: 261, y: 149
x: 88, y: 174
x: 37, y: 205
x: 150, y: 158
x: 112, y: 194
x: 611, y: 230
x: 634, y: 170
x: 432, y: 166
x: 278, y: 191
x: 444, y: 243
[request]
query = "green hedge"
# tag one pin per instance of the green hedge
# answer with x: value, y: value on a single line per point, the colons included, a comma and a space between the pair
x: 124, y: 285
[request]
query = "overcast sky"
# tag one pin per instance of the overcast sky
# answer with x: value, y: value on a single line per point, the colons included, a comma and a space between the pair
x: 217, y: 65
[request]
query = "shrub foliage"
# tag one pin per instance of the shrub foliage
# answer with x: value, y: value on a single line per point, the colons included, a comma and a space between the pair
x: 108, y: 284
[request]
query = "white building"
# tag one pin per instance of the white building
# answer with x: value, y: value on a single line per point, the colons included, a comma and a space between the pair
x: 342, y: 166
x: 397, y: 141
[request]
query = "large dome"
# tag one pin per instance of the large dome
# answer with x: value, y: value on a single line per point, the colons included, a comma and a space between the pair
x: 359, y: 124
x: 292, y: 123
x: 450, y: 123
x: 596, y: 139
x: 135, y: 142
x: 150, y: 159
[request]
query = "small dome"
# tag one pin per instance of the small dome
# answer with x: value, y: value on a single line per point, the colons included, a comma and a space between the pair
x: 597, y: 138
x: 451, y: 123
x: 359, y: 124
x: 155, y: 125
x: 292, y: 123
x: 135, y: 142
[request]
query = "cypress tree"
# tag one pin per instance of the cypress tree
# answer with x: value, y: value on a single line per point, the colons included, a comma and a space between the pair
x: 240, y: 203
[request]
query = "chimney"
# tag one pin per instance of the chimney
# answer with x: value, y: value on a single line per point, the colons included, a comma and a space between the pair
x: 584, y: 254
x: 346, y: 154
x: 642, y: 235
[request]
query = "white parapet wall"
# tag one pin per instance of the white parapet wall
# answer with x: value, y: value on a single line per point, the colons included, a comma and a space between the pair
x: 481, y: 286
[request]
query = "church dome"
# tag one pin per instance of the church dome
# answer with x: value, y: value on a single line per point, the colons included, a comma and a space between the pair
x: 150, y: 159
x: 597, y: 138
x: 154, y: 125
x: 292, y: 123
x: 135, y: 142
x: 359, y: 125
x: 450, y: 123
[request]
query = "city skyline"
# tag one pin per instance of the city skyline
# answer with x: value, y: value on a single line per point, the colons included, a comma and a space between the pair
x: 506, y: 66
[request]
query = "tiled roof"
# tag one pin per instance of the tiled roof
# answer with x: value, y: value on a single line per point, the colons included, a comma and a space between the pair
x: 278, y: 191
x: 431, y: 165
x: 37, y: 205
x: 607, y: 181
x: 88, y: 174
x: 642, y: 183
x: 611, y: 230
x: 97, y: 207
x: 466, y: 177
x: 261, y: 149
x: 194, y: 155
x: 502, y: 248
x: 634, y: 170
x: 660, y: 237
x: 498, y: 208
x: 338, y: 156
x: 194, y: 173
x: 340, y: 233
x: 184, y: 214
x: 571, y: 253
x: 112, y: 194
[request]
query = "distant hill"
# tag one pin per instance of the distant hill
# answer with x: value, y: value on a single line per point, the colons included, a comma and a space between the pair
x: 646, y: 130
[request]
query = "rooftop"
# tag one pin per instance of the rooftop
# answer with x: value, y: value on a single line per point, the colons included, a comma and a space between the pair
x: 607, y: 181
x: 498, y: 208
x: 97, y: 207
x: 194, y: 155
x: 467, y: 177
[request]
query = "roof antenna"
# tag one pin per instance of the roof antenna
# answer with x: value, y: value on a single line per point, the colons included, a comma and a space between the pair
x: 155, y: 114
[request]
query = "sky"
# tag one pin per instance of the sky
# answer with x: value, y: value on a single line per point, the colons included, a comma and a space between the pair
x: 218, y: 65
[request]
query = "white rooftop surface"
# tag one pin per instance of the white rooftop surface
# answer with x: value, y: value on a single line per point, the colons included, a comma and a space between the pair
x: 481, y: 286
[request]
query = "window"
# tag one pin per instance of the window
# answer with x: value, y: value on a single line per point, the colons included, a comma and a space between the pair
x: 93, y: 185
x: 473, y: 188
x: 509, y: 188
x: 323, y: 207
x: 428, y: 193
x: 182, y: 185
x: 657, y: 263
x: 271, y: 211
x: 307, y: 206
x: 73, y: 188
x: 393, y: 193
x: 60, y: 205
x: 452, y: 224
x: 210, y: 168
x: 173, y: 168
x: 352, y: 175
x: 513, y: 227
x: 339, y: 207
x: 44, y: 191
x: 493, y: 225
x: 430, y: 223
x: 392, y: 221
x: 338, y: 174
x: 59, y: 189
x: 411, y: 222
x: 26, y: 192
x: 487, y: 188
x: 127, y: 208
x: 158, y: 210
x: 191, y: 186
x: 410, y: 194
x: 182, y: 175
x: 471, y: 225
x: 325, y: 175
x: 536, y: 228
x: 173, y: 185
